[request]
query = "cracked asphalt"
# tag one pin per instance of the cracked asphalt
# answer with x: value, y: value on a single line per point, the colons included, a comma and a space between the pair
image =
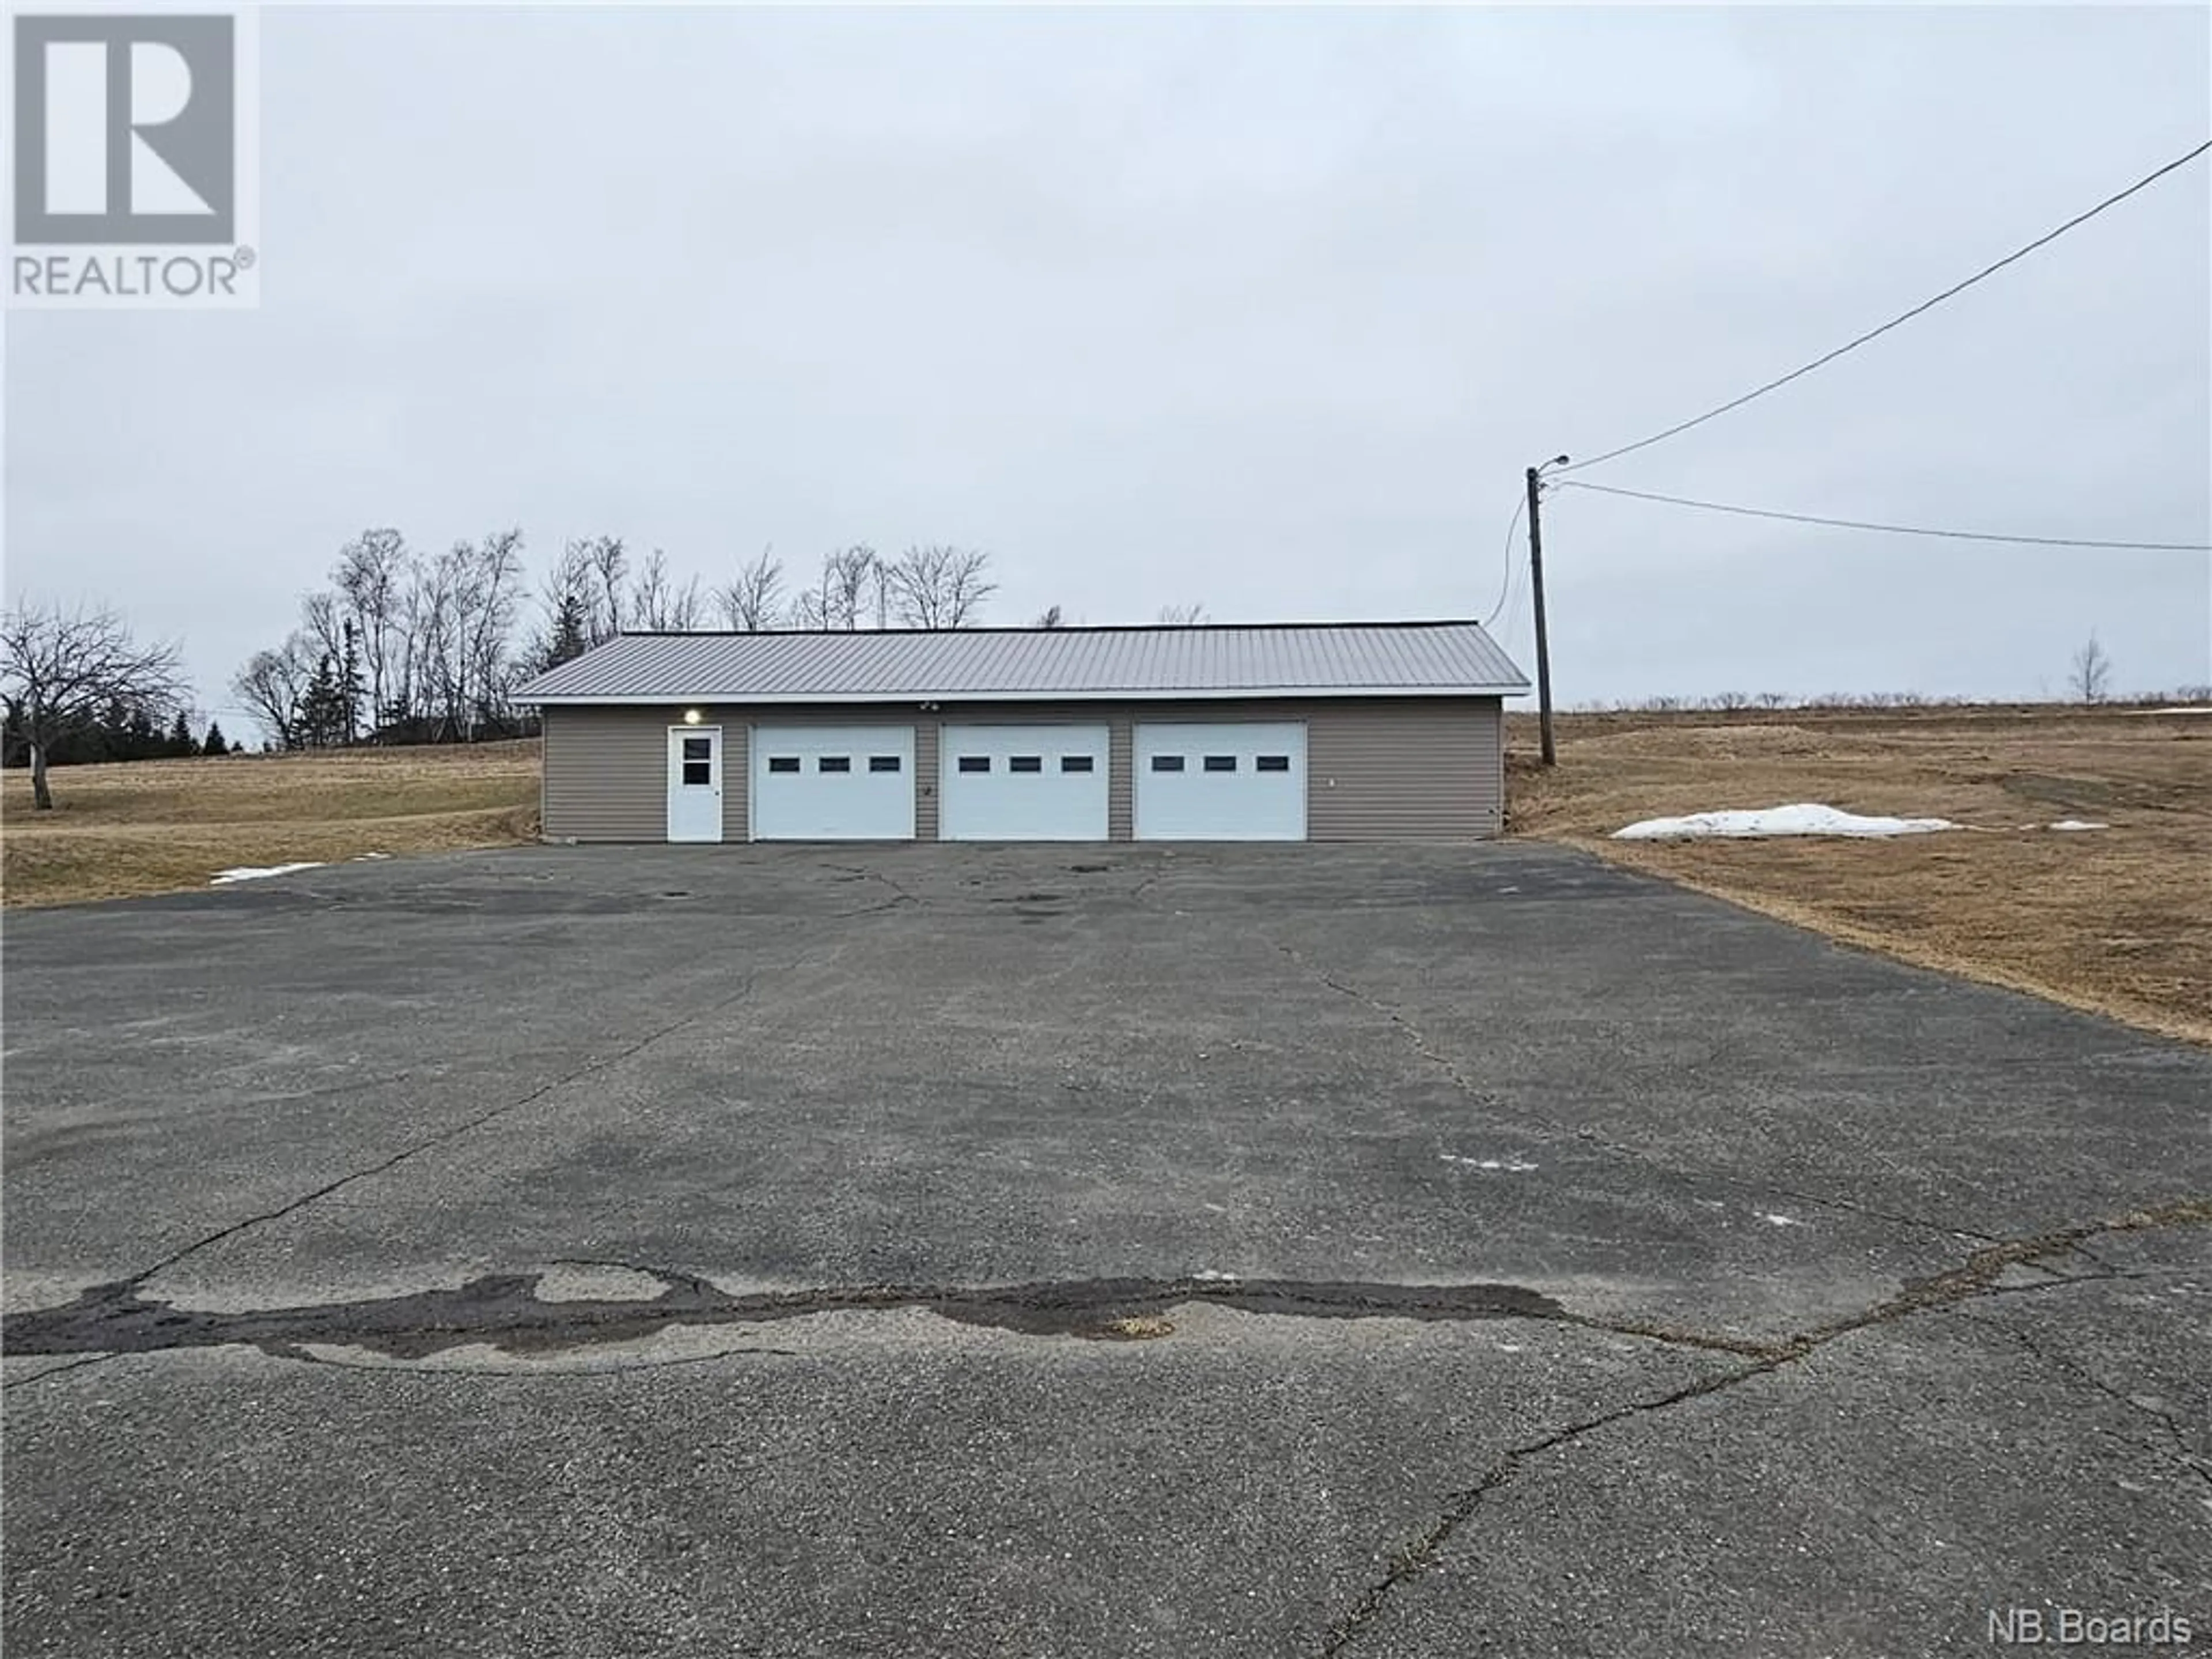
x: 991, y: 1251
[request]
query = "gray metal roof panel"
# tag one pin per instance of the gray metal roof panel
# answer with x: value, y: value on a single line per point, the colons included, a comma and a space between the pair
x: 1428, y: 658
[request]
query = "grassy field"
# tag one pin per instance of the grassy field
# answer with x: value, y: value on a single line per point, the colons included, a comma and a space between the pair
x: 2117, y: 920
x: 158, y: 826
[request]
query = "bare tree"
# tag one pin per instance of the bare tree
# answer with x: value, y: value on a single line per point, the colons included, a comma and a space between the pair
x: 564, y: 597
x: 659, y: 605
x: 2091, y: 677
x: 841, y: 600
x: 58, y: 668
x: 494, y: 594
x: 610, y: 562
x: 846, y: 577
x: 323, y: 615
x: 748, y: 600
x: 573, y: 577
x: 271, y: 685
x: 1050, y: 619
x: 1183, y: 615
x: 372, y: 576
x: 939, y: 587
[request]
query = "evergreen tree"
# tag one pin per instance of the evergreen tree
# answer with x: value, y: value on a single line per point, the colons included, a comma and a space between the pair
x: 139, y: 739
x: 320, y: 722
x: 215, y: 744
x: 180, y: 737
x: 349, y: 691
x: 568, y: 630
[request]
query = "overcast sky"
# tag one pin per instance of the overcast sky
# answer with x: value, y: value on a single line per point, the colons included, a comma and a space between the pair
x: 1261, y: 309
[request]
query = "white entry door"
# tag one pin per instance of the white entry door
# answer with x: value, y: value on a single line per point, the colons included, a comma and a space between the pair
x: 1021, y: 783
x: 833, y: 783
x: 695, y: 783
x: 1226, y: 781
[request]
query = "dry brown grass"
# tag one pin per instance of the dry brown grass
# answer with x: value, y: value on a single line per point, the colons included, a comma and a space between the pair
x: 160, y: 826
x: 2119, y: 921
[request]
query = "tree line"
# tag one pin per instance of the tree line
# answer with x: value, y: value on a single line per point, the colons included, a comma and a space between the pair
x: 402, y: 647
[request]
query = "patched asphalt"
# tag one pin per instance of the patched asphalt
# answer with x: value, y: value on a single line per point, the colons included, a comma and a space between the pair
x: 994, y: 1251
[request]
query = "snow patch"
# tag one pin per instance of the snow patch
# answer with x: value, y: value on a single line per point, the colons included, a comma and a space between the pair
x: 363, y: 858
x: 251, y: 872
x: 2079, y: 823
x: 1779, y: 1220
x: 1208, y: 1276
x: 1509, y: 1165
x: 1806, y: 818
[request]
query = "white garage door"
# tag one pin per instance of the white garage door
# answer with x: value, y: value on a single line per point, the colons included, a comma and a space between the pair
x: 1234, y: 780
x: 833, y: 783
x: 1021, y: 783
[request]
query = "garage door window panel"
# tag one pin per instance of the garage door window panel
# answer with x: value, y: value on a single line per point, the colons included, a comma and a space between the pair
x: 1227, y: 780
x: 833, y: 783
x: 1024, y: 782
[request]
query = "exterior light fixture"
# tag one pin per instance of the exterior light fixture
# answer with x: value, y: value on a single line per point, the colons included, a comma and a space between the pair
x: 691, y: 717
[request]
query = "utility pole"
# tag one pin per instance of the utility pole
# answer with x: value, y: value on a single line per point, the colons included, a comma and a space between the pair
x: 1536, y: 586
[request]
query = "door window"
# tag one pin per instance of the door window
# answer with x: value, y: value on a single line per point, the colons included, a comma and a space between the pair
x: 698, y: 763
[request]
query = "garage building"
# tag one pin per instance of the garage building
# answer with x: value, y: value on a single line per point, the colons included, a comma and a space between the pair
x: 1298, y: 732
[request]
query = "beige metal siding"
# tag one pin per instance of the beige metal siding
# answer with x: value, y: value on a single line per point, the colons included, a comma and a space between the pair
x: 926, y: 735
x: 1403, y: 771
x: 606, y: 773
x: 1377, y: 769
x: 737, y: 772
x: 1121, y: 767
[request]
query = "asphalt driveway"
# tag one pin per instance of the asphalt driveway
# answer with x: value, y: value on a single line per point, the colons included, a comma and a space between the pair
x: 971, y: 1251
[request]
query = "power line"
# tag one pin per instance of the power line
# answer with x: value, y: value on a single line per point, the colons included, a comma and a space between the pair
x: 1903, y: 317
x: 1892, y: 529
x: 1505, y: 588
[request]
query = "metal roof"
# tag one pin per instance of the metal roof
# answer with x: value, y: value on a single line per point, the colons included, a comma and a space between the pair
x: 1401, y: 659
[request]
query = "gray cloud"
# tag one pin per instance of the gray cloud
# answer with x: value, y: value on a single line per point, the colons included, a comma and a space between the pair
x: 1263, y: 309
